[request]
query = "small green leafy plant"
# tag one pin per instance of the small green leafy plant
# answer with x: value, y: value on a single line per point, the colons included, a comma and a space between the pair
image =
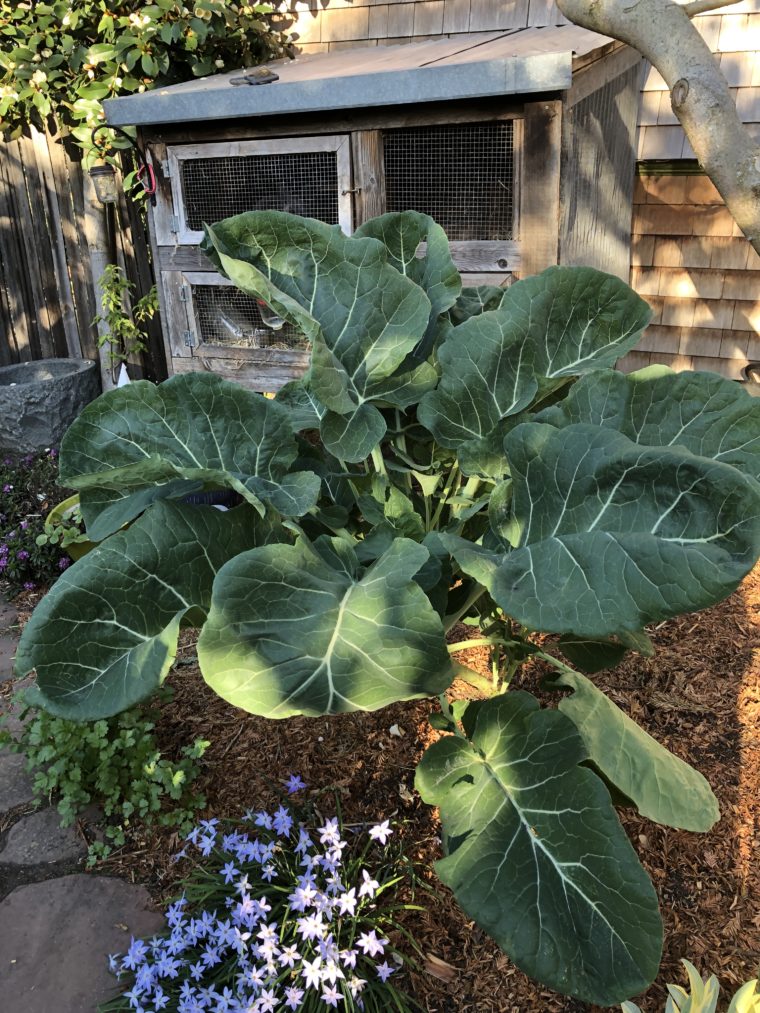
x: 123, y: 334
x: 703, y: 996
x: 288, y: 914
x: 64, y: 527
x: 452, y: 455
x: 60, y: 59
x: 114, y: 762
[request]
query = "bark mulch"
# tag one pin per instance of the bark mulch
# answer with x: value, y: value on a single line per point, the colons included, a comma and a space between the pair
x: 699, y: 696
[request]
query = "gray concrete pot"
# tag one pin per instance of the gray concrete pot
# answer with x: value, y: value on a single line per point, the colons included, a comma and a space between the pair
x: 39, y: 401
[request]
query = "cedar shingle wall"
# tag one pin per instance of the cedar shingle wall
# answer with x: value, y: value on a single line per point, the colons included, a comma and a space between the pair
x: 318, y: 26
x: 699, y: 274
x: 733, y: 34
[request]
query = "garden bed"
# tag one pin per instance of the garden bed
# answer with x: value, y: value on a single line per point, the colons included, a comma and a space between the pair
x: 699, y: 695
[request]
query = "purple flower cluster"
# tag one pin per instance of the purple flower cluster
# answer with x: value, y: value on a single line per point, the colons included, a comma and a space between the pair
x: 291, y: 921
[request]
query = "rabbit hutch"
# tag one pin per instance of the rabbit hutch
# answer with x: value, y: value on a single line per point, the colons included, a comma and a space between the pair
x: 521, y: 145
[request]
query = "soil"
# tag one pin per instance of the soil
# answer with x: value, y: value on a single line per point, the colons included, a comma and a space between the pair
x: 699, y: 695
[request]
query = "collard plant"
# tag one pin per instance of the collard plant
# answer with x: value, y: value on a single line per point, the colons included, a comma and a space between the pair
x: 452, y: 455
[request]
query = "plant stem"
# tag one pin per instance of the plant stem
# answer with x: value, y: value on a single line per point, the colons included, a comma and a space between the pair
x: 451, y: 478
x: 379, y: 462
x: 474, y: 679
x: 451, y: 620
x: 466, y: 645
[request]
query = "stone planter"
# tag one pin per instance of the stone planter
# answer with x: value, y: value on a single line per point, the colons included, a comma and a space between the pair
x: 39, y: 401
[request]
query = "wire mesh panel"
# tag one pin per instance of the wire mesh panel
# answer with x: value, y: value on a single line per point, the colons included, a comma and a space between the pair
x: 463, y: 176
x: 303, y: 183
x: 226, y: 316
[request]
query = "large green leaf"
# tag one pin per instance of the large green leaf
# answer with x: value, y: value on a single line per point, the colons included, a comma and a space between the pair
x: 104, y: 637
x: 662, y: 787
x: 142, y: 442
x: 611, y: 536
x: 536, y: 853
x: 304, y: 630
x: 402, y: 232
x: 362, y: 314
x: 577, y: 319
x: 706, y: 413
x: 564, y: 322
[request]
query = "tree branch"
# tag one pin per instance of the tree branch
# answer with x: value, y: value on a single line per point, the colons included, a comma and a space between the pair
x: 700, y: 97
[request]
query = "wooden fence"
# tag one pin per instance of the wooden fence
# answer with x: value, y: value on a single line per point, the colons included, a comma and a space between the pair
x: 47, y: 297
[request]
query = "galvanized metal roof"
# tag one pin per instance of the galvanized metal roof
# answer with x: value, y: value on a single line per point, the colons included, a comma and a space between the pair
x: 502, y: 63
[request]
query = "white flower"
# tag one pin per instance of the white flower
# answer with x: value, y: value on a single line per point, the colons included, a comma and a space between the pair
x: 311, y: 972
x: 370, y: 944
x: 347, y: 902
x: 369, y: 887
x: 381, y: 832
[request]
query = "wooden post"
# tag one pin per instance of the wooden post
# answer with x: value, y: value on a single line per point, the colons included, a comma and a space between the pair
x: 368, y: 174
x: 539, y: 187
x: 97, y: 243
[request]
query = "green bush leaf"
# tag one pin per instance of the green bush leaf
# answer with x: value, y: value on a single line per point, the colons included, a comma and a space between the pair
x: 105, y: 635
x: 141, y: 442
x: 304, y: 630
x: 662, y: 787
x: 564, y: 322
x: 321, y: 280
x: 706, y: 413
x: 536, y: 854
x: 612, y: 536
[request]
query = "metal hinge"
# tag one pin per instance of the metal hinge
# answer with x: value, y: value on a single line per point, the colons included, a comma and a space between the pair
x: 189, y: 339
x: 166, y: 168
x: 175, y: 223
x: 184, y: 293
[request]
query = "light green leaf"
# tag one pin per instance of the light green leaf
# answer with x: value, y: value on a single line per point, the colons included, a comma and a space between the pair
x: 536, y: 854
x: 577, y: 319
x: 352, y: 437
x: 141, y: 442
x: 611, y: 536
x: 105, y: 635
x: 304, y: 630
x: 402, y: 232
x: 706, y: 413
x: 564, y: 322
x: 326, y: 283
x: 662, y: 787
x: 592, y: 655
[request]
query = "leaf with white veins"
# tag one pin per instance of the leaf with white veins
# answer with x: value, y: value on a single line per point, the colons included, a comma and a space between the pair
x: 303, y: 629
x: 537, y: 855
x: 104, y: 637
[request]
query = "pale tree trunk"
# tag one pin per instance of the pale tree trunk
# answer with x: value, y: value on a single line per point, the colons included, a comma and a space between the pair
x: 662, y: 32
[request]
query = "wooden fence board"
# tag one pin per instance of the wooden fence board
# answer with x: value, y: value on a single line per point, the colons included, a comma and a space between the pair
x: 47, y: 296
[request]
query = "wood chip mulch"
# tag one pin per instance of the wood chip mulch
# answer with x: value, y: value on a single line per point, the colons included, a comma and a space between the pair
x: 699, y: 696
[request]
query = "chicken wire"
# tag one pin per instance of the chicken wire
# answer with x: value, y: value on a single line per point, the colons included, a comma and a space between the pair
x: 463, y: 176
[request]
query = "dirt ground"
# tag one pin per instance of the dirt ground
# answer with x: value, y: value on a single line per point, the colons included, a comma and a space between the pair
x: 699, y: 696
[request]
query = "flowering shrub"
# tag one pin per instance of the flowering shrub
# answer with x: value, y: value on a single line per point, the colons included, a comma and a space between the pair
x: 63, y: 57
x: 116, y: 763
x: 29, y: 491
x: 290, y: 916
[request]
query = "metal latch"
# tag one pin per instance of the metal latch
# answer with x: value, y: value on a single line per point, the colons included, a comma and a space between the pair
x: 189, y: 339
x: 166, y: 168
x: 184, y: 293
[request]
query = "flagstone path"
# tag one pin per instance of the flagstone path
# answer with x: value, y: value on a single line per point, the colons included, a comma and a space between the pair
x: 57, y: 923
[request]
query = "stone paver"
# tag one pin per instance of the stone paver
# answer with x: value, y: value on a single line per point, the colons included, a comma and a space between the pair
x: 8, y: 645
x: 55, y: 937
x: 8, y: 615
x: 40, y: 838
x: 15, y: 781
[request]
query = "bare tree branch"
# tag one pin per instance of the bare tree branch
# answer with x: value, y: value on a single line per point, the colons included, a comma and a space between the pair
x: 701, y: 6
x: 700, y: 97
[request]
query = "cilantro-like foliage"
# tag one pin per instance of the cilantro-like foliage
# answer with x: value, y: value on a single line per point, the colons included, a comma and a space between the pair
x: 450, y: 455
